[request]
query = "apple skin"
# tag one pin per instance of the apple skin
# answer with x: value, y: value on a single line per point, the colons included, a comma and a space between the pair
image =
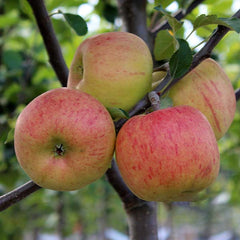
x: 77, y: 121
x: 207, y: 88
x: 115, y: 67
x: 168, y: 155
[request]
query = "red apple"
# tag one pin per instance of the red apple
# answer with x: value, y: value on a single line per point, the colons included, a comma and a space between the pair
x: 207, y: 88
x: 168, y: 155
x: 114, y: 67
x: 64, y: 139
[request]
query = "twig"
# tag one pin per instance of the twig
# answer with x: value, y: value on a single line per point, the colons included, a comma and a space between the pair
x: 51, y: 43
x: 18, y: 194
x: 178, y: 15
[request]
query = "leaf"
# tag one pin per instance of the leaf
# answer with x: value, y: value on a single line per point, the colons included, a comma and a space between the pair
x: 233, y: 23
x: 117, y: 113
x: 162, y: 10
x: 164, y: 3
x: 173, y: 22
x: 165, y: 102
x: 10, y: 136
x: 9, y: 19
x: 77, y: 23
x: 165, y: 45
x: 181, y: 60
x: 203, y: 20
x: 12, y: 59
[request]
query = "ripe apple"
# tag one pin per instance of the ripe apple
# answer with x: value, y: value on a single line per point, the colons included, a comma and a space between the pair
x: 64, y: 139
x: 207, y: 88
x: 168, y: 155
x: 114, y: 67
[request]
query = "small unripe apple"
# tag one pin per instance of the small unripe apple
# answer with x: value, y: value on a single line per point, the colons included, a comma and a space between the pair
x: 207, y: 88
x: 64, y: 139
x: 115, y: 67
x: 168, y: 155
x: 157, y: 77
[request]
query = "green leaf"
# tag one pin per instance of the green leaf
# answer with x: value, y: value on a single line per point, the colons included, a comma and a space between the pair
x: 10, y: 136
x: 164, y: 3
x: 233, y: 23
x: 165, y: 45
x: 117, y: 113
x: 9, y: 19
x: 162, y: 10
x: 12, y: 59
x: 77, y: 23
x: 165, y: 102
x: 173, y: 22
x: 203, y: 20
x: 181, y: 60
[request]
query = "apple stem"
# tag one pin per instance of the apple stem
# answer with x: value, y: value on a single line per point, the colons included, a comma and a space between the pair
x: 155, y: 100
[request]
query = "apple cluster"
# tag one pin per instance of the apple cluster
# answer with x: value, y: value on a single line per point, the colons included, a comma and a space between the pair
x: 65, y: 138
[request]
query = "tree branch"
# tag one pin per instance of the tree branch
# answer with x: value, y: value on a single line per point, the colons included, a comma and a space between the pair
x: 178, y: 15
x: 237, y: 94
x: 18, y: 194
x: 51, y: 43
x: 134, y: 17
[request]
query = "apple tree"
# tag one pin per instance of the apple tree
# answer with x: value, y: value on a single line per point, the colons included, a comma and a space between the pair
x: 175, y: 52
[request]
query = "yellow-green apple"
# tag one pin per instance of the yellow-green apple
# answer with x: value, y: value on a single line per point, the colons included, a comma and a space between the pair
x: 168, y: 155
x: 64, y: 139
x: 157, y: 77
x: 207, y: 88
x: 114, y: 67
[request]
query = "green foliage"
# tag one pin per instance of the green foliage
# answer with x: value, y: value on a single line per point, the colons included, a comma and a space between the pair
x: 117, y: 113
x: 203, y: 20
x: 165, y: 45
x: 178, y: 67
x: 77, y: 23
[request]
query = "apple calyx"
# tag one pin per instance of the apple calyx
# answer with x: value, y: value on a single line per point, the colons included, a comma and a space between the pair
x: 59, y: 150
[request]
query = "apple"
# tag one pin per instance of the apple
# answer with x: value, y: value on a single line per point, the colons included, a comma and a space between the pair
x: 207, y: 88
x: 64, y: 139
x: 168, y: 155
x: 114, y: 67
x: 157, y: 78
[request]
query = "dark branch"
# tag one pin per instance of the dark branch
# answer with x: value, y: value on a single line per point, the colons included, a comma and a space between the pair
x: 18, y: 194
x: 51, y: 43
x: 141, y: 214
x: 237, y: 94
x: 178, y: 15
x: 134, y: 17
x: 114, y: 178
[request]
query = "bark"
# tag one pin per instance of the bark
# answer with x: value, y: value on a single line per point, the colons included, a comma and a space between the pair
x: 18, y: 194
x: 61, y: 215
x: 141, y: 215
x: 134, y: 17
x: 50, y: 40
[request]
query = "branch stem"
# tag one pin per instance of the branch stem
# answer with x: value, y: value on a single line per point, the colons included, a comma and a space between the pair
x: 49, y: 37
x: 18, y: 194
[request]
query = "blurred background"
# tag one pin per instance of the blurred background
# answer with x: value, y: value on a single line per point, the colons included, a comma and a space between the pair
x: 96, y: 211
